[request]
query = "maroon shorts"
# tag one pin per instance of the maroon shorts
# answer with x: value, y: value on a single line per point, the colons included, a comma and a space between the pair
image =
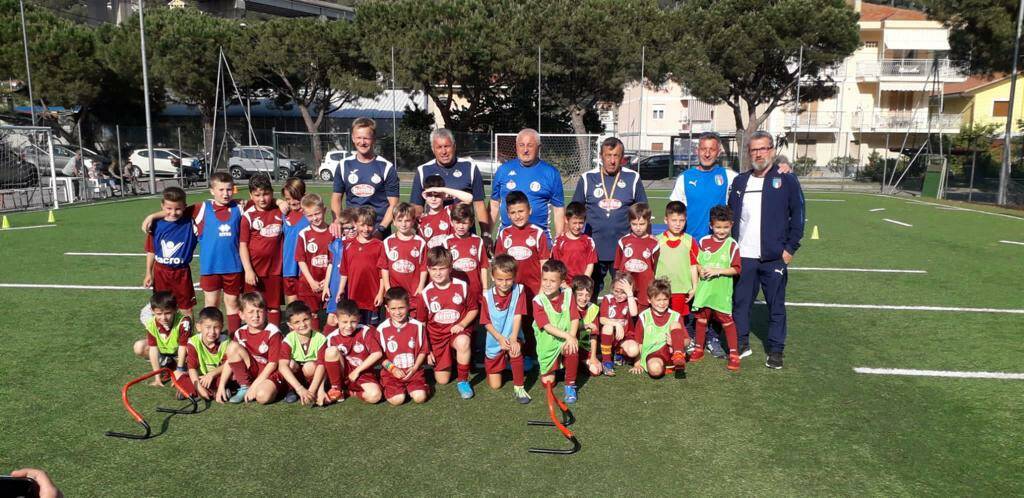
x: 499, y: 363
x: 679, y: 304
x: 291, y: 286
x: 393, y: 386
x: 314, y: 301
x: 230, y: 283
x: 664, y: 354
x: 709, y: 314
x: 270, y: 287
x: 355, y: 388
x: 443, y: 351
x: 256, y: 367
x: 177, y: 281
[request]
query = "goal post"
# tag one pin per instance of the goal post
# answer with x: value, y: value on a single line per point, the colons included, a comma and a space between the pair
x: 573, y: 154
x: 28, y: 172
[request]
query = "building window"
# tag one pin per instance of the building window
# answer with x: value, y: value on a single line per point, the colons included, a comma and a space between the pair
x: 1000, y: 108
x: 870, y: 44
x: 659, y: 112
x: 657, y: 146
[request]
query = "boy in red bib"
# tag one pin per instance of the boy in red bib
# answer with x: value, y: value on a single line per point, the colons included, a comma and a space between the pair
x: 404, y: 343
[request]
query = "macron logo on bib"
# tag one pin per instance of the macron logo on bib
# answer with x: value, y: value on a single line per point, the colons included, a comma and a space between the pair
x: 167, y: 251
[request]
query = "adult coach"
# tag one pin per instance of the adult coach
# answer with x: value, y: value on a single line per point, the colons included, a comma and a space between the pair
x: 366, y: 178
x: 459, y: 174
x: 608, y: 191
x: 540, y: 181
x: 768, y: 214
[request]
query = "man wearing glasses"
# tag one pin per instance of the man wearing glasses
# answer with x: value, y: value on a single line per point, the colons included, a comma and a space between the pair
x: 768, y: 215
x: 458, y: 173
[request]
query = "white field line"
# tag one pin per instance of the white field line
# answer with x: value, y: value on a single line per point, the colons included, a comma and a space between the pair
x: 861, y: 270
x: 895, y: 307
x: 27, y: 228
x: 897, y: 222
x: 105, y: 254
x: 825, y: 200
x: 1012, y: 242
x: 939, y: 373
x: 77, y: 287
x: 876, y: 210
x: 912, y: 201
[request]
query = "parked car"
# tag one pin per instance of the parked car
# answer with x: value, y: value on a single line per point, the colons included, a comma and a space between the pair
x: 484, y: 160
x: 330, y: 164
x: 251, y: 159
x: 166, y: 163
x: 62, y: 155
x: 654, y: 167
x: 16, y: 172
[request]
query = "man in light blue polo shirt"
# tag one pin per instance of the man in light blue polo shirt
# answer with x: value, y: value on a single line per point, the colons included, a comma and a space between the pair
x: 608, y: 191
x: 540, y: 181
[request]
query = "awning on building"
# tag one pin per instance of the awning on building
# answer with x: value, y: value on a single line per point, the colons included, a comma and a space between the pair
x: 905, y: 86
x: 916, y: 39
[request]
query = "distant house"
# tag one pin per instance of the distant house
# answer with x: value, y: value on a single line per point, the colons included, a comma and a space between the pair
x: 984, y: 99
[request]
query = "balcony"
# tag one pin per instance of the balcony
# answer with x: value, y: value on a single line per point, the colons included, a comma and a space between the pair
x: 909, y: 70
x: 828, y: 121
x: 902, y: 121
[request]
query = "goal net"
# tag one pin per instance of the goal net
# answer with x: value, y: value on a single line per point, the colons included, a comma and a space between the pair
x: 27, y: 170
x: 572, y: 154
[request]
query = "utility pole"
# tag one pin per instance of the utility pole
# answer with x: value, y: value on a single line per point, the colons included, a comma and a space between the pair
x: 28, y: 69
x: 145, y: 91
x: 1004, y: 172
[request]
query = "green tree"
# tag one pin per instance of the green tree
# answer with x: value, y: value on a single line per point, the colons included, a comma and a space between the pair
x: 316, y: 64
x: 981, y: 31
x: 460, y: 53
x: 744, y: 53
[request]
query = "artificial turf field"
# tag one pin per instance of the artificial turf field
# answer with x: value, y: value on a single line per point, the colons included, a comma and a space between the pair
x: 814, y: 428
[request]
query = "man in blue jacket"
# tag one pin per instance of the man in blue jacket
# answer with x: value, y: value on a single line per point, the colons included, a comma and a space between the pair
x: 768, y: 215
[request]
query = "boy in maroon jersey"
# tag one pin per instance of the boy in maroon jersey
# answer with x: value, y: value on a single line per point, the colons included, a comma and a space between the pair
x: 259, y: 244
x: 575, y: 248
x: 352, y: 352
x: 404, y: 344
x: 312, y: 252
x: 253, y: 354
x: 638, y: 252
x: 524, y: 241
x: 618, y: 310
x: 469, y: 255
x: 364, y: 268
x: 293, y: 191
x: 406, y: 254
x: 449, y: 311
x: 436, y: 221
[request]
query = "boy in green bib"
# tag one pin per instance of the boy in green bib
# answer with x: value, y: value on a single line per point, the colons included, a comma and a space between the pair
x: 589, y: 329
x: 299, y: 352
x: 555, y: 321
x: 656, y: 328
x: 678, y: 264
x: 719, y: 261
x: 167, y: 332
x: 205, y: 355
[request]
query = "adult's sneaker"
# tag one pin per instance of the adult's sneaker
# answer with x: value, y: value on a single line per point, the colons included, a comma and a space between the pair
x: 570, y: 394
x: 465, y: 390
x: 774, y: 360
x: 291, y: 397
x: 608, y: 369
x: 734, y: 362
x: 745, y: 350
x: 521, y: 395
x: 239, y: 395
x: 716, y: 348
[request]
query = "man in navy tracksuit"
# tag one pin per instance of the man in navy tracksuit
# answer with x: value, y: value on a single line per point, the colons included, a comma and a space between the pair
x: 768, y: 214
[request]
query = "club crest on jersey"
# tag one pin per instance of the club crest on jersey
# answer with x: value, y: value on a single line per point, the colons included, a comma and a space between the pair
x: 427, y: 231
x: 311, y: 246
x: 457, y: 174
x: 393, y: 255
x: 776, y: 183
x: 363, y: 190
x: 412, y: 343
x: 598, y: 192
x: 535, y: 186
x: 621, y: 184
x: 530, y: 242
x: 647, y: 253
x: 344, y: 350
x: 442, y: 226
x: 611, y: 311
x: 719, y: 180
x: 472, y: 251
x: 415, y: 253
x: 264, y: 348
x: 353, y: 177
x: 224, y: 230
x: 375, y: 178
x: 511, y: 185
x: 457, y: 299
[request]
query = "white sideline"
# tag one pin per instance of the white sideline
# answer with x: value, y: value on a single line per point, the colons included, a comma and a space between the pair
x: 897, y: 307
x: 825, y: 200
x: 1012, y: 242
x: 27, y: 228
x: 876, y: 210
x: 897, y: 222
x: 104, y: 254
x: 78, y: 287
x: 862, y: 270
x: 939, y: 373
x: 914, y: 201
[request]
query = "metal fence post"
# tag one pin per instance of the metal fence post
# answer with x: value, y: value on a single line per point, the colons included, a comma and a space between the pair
x: 273, y: 140
x: 120, y: 162
x: 53, y: 170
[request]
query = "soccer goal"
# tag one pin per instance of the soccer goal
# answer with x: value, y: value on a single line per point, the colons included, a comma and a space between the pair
x: 28, y: 173
x: 572, y: 154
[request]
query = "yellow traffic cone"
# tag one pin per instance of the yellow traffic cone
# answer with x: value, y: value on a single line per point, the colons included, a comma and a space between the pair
x: 6, y: 224
x: 814, y: 233
x: 234, y: 191
x: 51, y: 218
